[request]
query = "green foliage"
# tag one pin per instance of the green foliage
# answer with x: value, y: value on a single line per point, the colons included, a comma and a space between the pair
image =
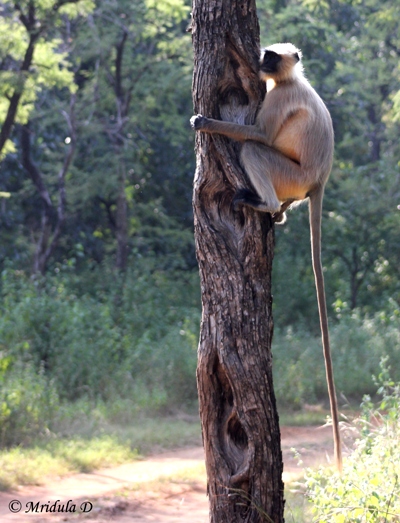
x: 50, y: 60
x: 295, y: 506
x: 358, y: 344
x: 127, y: 344
x: 129, y: 67
x: 368, y: 490
x: 127, y: 341
x: 28, y: 402
x: 366, y: 269
x: 100, y: 452
x: 128, y: 326
x: 361, y: 221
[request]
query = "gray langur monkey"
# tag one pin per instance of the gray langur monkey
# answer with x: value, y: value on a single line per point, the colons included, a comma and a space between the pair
x: 287, y: 155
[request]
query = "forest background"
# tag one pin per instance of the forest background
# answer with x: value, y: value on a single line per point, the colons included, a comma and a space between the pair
x: 100, y: 299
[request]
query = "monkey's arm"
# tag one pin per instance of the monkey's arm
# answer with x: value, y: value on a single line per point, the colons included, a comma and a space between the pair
x: 235, y: 131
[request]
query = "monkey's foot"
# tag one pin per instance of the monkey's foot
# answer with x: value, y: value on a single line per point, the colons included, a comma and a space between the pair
x: 250, y: 199
x: 279, y: 217
x: 198, y: 122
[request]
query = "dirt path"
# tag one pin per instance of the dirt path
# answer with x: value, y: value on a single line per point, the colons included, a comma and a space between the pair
x: 166, y: 488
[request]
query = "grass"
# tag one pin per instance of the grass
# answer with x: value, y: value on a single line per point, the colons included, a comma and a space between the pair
x: 303, y: 418
x: 314, y: 415
x: 149, y: 435
x: 97, y: 445
x: 33, y: 466
x: 190, y: 476
x: 29, y: 467
x: 297, y: 507
x: 107, y: 446
x: 103, y: 444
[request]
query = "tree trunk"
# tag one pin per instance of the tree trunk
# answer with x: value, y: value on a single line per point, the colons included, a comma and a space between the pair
x: 234, y: 249
x: 53, y: 218
x: 121, y: 221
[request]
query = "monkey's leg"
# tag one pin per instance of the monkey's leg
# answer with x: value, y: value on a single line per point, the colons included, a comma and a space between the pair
x: 274, y: 177
x: 235, y: 131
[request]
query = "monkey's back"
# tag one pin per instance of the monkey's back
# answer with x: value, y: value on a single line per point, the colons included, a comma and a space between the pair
x: 303, y: 130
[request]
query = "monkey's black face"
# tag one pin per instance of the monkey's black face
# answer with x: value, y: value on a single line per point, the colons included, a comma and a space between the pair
x: 270, y: 62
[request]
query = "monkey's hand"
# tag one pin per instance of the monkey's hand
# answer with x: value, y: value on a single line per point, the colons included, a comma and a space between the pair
x: 198, y: 122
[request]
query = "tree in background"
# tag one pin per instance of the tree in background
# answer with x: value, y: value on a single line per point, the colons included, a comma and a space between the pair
x: 29, y: 55
x: 126, y: 66
x: 52, y: 218
x: 35, y: 61
x: 351, y: 52
x: 128, y: 55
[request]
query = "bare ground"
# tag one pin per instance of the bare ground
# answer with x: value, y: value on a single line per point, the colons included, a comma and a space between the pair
x: 165, y: 488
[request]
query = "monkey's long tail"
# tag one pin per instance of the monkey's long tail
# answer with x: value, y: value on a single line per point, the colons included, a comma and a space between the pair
x: 315, y: 230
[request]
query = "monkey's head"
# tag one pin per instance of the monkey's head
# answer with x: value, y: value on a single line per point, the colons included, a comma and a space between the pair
x: 280, y: 62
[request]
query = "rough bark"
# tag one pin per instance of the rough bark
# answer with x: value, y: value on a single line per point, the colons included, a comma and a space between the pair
x: 240, y: 423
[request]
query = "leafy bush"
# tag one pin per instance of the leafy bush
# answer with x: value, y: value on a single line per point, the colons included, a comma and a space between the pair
x: 124, y: 343
x: 127, y: 341
x: 28, y: 404
x: 358, y: 344
x: 104, y: 336
x: 368, y: 491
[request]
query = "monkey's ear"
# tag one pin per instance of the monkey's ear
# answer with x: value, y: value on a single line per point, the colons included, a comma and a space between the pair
x: 296, y: 57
